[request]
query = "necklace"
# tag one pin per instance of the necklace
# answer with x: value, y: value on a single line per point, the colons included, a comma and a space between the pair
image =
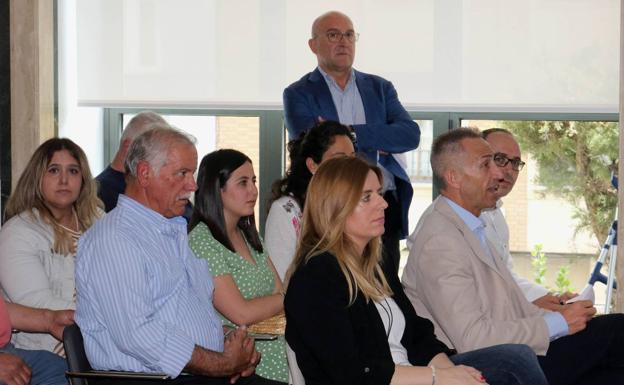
x: 74, y: 234
x: 389, y: 314
x: 71, y: 231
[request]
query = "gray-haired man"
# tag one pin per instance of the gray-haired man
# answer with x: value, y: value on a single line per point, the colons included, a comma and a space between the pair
x: 144, y: 299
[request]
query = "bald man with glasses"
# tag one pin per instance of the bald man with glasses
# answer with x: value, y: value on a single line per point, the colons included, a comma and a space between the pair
x: 507, y: 156
x: 369, y: 105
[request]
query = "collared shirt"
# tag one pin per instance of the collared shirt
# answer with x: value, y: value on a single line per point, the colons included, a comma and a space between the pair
x: 497, y: 233
x: 348, y: 102
x: 143, y: 299
x: 350, y: 108
x: 557, y: 325
x: 476, y: 225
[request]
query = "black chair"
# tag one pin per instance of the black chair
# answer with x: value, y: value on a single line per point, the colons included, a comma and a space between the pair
x: 80, y: 371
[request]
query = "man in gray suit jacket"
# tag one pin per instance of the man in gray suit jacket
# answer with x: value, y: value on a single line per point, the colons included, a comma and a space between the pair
x: 454, y: 277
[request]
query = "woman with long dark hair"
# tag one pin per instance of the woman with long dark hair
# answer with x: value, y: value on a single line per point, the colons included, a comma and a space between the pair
x: 223, y: 231
x: 325, y: 141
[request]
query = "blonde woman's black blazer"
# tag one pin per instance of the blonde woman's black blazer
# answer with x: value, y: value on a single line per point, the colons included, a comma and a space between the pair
x: 338, y: 343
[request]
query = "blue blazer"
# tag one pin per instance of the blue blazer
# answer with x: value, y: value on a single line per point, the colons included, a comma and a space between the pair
x: 388, y: 127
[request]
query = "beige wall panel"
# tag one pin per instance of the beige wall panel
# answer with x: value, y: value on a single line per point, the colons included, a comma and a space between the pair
x: 32, y: 79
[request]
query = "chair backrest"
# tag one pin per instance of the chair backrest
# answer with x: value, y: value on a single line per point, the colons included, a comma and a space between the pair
x: 80, y: 370
x: 75, y: 353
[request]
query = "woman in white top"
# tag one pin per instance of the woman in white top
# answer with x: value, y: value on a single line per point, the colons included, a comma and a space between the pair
x: 55, y: 200
x: 324, y: 141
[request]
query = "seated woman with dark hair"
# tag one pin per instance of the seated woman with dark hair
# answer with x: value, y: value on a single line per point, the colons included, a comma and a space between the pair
x: 54, y: 202
x: 223, y: 231
x: 325, y: 141
x: 348, y: 323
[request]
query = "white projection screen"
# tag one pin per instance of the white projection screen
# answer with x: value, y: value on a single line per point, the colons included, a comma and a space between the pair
x: 488, y: 55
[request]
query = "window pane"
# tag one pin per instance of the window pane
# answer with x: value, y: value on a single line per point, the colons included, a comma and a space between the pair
x: 216, y: 132
x: 419, y: 171
x: 563, y: 199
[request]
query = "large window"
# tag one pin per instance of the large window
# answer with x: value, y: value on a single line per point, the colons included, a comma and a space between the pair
x: 418, y: 166
x: 258, y: 134
x: 563, y: 203
x: 216, y: 132
x: 537, y: 217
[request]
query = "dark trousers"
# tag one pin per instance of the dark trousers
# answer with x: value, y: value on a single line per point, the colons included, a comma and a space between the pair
x: 507, y: 364
x: 392, y: 234
x: 594, y: 356
x: 195, y: 380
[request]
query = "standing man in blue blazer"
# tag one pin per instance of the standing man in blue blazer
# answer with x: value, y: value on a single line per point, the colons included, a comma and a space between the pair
x: 369, y: 105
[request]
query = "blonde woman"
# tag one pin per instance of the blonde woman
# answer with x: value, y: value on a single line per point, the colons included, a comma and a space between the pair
x: 348, y: 322
x: 54, y: 202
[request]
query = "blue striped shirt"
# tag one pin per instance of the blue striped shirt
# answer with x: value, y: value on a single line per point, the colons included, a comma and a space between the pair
x: 143, y: 299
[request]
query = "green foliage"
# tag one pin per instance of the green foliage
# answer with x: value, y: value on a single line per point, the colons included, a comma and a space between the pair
x: 574, y: 161
x: 562, y: 282
x: 538, y: 262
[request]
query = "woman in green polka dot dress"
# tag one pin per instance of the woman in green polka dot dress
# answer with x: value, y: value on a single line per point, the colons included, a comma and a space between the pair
x: 223, y: 231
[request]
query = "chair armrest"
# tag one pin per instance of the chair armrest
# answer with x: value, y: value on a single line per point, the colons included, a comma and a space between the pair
x: 118, y: 375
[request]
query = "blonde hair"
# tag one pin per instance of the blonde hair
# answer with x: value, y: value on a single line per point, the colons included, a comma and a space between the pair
x: 28, y: 194
x: 333, y: 194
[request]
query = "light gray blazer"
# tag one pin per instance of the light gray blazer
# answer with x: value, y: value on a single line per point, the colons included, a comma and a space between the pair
x: 471, y: 297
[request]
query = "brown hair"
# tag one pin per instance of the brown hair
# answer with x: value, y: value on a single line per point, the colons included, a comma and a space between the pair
x: 333, y: 194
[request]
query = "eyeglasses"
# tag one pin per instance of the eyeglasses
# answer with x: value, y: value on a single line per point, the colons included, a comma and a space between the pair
x: 336, y: 36
x: 501, y: 160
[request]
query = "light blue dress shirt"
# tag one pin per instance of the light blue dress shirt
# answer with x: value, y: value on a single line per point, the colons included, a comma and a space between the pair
x: 557, y: 325
x: 350, y: 108
x: 143, y: 299
x: 348, y: 102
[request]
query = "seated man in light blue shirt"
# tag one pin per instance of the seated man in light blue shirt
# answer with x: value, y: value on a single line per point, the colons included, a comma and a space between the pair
x: 455, y: 277
x: 144, y: 300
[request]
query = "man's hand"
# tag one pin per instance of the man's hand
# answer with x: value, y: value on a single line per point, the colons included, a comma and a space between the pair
x: 565, y: 297
x: 13, y: 371
x: 57, y: 320
x: 549, y: 302
x: 577, y: 315
x: 554, y: 302
x: 239, y: 357
x: 240, y: 349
